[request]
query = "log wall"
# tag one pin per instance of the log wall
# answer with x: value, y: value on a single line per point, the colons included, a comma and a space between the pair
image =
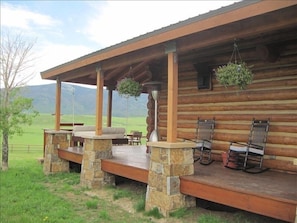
x: 272, y: 95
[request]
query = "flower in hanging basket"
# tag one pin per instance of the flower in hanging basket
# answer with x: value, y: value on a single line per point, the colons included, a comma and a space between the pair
x: 128, y: 87
x: 234, y: 74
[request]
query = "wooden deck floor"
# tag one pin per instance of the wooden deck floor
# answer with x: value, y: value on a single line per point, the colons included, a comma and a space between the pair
x: 270, y: 193
x: 128, y: 161
x: 74, y: 154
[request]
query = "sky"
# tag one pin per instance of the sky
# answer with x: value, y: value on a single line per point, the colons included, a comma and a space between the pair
x: 66, y: 30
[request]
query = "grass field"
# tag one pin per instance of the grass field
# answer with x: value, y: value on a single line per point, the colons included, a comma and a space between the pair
x: 33, y: 135
x: 28, y: 196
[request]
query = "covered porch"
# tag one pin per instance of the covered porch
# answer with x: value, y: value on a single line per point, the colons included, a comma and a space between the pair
x: 182, y: 57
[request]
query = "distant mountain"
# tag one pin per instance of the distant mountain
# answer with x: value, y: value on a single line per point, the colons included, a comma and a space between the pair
x: 44, y: 97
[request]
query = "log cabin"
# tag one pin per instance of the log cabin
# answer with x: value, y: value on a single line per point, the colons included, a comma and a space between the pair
x: 183, y: 57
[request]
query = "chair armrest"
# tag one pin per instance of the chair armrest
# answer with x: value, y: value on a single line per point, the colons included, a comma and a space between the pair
x: 255, y: 146
x: 239, y: 143
x: 206, y: 140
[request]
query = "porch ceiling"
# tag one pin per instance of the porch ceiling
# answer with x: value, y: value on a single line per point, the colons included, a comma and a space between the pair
x: 263, y: 29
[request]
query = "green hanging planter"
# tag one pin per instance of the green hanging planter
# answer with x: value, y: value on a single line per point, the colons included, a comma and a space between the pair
x: 234, y: 74
x: 128, y: 87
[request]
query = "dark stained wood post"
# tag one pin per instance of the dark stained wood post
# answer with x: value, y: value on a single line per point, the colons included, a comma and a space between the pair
x: 58, y: 105
x: 172, y: 92
x: 99, y: 101
x: 109, y: 106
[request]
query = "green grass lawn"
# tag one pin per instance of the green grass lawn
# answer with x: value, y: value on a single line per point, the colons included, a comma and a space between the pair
x: 33, y: 135
x: 28, y: 196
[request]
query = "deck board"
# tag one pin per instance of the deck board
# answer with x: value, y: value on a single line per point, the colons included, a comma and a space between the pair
x: 128, y: 161
x: 269, y: 193
x: 74, y: 154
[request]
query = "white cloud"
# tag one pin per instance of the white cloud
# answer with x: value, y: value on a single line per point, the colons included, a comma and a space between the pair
x: 22, y: 18
x: 54, y: 54
x: 122, y: 20
x: 108, y: 23
x: 51, y: 55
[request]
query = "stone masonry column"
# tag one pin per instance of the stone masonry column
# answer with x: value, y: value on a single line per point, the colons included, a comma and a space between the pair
x: 55, y: 140
x: 95, y: 149
x: 168, y: 162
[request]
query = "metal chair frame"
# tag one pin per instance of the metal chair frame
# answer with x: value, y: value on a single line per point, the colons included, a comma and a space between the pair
x: 204, y: 136
x: 251, y: 154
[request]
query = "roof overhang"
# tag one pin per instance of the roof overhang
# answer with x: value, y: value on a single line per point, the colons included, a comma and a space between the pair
x: 239, y: 20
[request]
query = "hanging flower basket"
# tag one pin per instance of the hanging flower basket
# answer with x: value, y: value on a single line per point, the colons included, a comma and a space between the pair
x: 128, y: 87
x: 235, y: 73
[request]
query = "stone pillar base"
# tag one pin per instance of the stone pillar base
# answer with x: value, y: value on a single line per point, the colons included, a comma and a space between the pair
x: 52, y: 162
x: 168, y: 162
x: 109, y: 179
x: 95, y: 149
x: 167, y: 203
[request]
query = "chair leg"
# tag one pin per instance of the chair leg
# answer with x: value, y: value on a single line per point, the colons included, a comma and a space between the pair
x: 205, y: 156
x: 245, y: 160
x: 228, y: 158
x: 252, y: 161
x: 261, y: 161
x: 196, y: 158
x: 232, y: 160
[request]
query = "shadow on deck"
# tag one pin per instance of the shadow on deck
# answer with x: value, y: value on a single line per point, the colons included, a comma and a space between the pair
x: 270, y: 193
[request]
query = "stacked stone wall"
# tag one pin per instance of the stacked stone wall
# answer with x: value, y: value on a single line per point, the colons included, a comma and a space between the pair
x: 52, y: 162
x: 163, y: 190
x: 91, y: 174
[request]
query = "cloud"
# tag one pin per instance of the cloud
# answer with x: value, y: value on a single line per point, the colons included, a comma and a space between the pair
x: 99, y: 24
x: 118, y: 21
x: 18, y: 17
x: 51, y: 55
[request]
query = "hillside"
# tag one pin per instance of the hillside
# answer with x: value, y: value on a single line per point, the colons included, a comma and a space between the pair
x: 84, y: 98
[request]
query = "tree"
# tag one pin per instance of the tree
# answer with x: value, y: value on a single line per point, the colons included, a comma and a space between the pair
x: 15, y: 110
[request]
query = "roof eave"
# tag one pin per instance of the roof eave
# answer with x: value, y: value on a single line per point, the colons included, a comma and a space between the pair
x: 196, y: 24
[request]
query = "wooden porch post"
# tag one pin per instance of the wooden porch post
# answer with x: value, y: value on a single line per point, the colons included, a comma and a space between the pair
x: 172, y: 93
x: 109, y: 106
x: 99, y: 101
x: 96, y: 148
x: 58, y: 105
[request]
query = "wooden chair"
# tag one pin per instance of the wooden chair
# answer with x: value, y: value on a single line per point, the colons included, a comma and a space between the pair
x: 130, y: 137
x: 136, y: 138
x: 204, y: 135
x: 250, y: 155
x: 77, y: 141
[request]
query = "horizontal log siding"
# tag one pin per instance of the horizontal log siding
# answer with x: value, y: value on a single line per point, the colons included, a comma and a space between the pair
x: 273, y: 95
